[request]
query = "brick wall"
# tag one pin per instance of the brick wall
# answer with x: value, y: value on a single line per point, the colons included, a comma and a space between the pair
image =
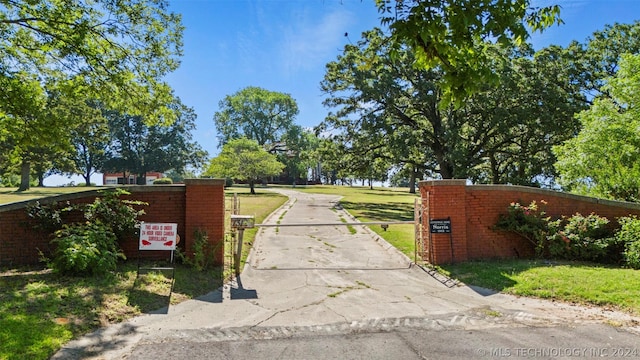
x: 20, y: 242
x: 474, y: 209
x: 205, y: 201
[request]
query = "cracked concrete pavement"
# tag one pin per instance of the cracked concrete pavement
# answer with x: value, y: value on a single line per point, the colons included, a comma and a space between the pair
x: 302, y: 284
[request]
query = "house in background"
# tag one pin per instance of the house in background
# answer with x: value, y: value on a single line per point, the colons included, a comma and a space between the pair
x: 129, y: 179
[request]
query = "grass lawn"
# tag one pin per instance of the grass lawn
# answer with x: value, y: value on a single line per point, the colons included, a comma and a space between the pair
x: 9, y: 195
x: 41, y: 311
x: 581, y: 283
x: 259, y: 205
x: 380, y: 204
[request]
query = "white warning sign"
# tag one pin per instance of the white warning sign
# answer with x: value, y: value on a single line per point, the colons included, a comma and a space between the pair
x: 158, y: 236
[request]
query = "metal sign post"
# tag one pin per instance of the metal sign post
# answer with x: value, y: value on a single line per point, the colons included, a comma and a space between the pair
x: 442, y: 226
x: 158, y: 236
x: 240, y: 222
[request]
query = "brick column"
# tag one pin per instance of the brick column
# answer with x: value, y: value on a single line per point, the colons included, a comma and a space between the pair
x: 204, y: 210
x: 446, y: 199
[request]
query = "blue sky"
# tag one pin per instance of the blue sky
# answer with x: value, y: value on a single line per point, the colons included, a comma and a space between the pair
x: 283, y: 45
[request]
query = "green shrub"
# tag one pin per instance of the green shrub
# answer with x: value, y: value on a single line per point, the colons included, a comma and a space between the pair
x: 228, y: 182
x: 81, y: 249
x: 203, y: 253
x: 118, y: 215
x: 89, y: 247
x: 84, y: 184
x: 163, y: 181
x: 529, y: 222
x: 629, y: 237
x: 580, y: 238
x: 50, y: 217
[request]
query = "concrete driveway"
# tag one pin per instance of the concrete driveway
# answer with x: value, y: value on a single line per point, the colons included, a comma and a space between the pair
x: 321, y: 292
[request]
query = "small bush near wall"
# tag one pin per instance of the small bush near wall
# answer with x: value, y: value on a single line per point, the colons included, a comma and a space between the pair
x: 203, y: 255
x: 163, y: 181
x: 579, y: 237
x: 89, y: 246
x: 529, y: 221
x: 629, y: 237
x: 49, y: 218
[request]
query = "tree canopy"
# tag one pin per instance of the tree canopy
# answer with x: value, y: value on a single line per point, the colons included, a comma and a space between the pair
x: 244, y: 159
x: 114, y: 52
x: 257, y: 114
x: 31, y: 130
x: 603, y: 160
x: 138, y: 148
x: 119, y: 51
x: 385, y: 108
x: 457, y: 36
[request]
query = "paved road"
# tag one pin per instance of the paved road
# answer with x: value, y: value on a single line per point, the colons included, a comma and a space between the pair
x: 321, y: 292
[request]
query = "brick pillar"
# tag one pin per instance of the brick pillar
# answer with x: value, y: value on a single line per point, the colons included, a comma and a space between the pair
x: 204, y: 210
x: 446, y: 199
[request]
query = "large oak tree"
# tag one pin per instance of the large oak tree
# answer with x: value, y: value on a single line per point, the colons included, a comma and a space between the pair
x: 257, y: 114
x: 113, y: 51
x: 137, y: 148
x: 502, y: 134
x: 457, y: 35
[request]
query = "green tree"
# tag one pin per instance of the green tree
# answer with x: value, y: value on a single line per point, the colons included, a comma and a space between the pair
x: 137, y: 148
x: 604, y: 159
x: 296, y: 153
x: 116, y: 52
x: 362, y: 153
x: 87, y: 131
x: 119, y: 51
x: 331, y: 162
x: 457, y: 36
x: 374, y: 94
x: 502, y: 134
x: 246, y: 160
x: 597, y: 60
x: 173, y: 147
x: 257, y: 114
x: 31, y: 133
x: 90, y: 140
x: 517, y: 122
x: 125, y: 150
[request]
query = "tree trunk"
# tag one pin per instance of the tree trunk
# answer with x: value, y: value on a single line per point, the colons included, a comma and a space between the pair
x: 40, y: 179
x: 412, y: 181
x: 251, y: 186
x: 25, y: 170
x: 87, y: 179
x: 446, y: 170
x: 141, y: 179
x: 495, y: 174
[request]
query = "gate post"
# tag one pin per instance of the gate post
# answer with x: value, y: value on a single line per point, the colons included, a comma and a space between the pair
x: 446, y: 199
x: 204, y: 210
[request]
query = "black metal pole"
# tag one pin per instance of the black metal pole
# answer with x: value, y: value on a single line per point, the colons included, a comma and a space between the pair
x: 451, y: 239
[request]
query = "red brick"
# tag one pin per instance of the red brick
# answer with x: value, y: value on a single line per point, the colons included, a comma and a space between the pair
x: 20, y: 242
x: 474, y: 209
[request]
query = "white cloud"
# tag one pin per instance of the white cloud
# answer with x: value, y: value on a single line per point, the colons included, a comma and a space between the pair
x: 310, y: 42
